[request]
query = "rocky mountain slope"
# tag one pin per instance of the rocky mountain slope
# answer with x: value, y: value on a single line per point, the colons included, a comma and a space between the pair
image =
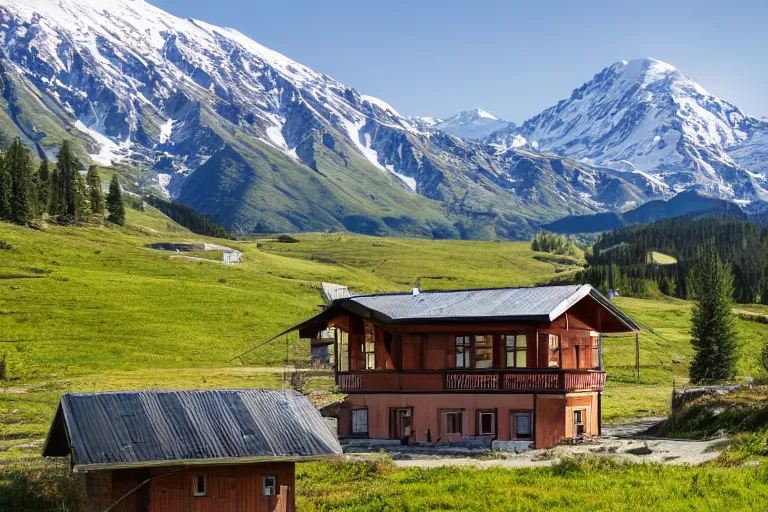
x: 262, y: 143
x: 645, y: 117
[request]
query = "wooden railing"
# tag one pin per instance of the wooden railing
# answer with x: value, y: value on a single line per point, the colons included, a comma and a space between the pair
x: 564, y: 381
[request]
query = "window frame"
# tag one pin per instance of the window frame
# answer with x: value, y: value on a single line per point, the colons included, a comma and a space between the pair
x: 558, y: 350
x: 595, y: 342
x: 368, y: 346
x: 485, y: 347
x: 342, y: 343
x: 494, y: 417
x: 352, y: 422
x: 513, y: 414
x: 264, y: 485
x: 582, y: 412
x: 514, y: 349
x: 459, y: 413
x: 196, y: 479
x: 466, y: 350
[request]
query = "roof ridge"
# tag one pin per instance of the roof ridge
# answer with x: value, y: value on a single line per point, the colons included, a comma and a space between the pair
x: 457, y: 290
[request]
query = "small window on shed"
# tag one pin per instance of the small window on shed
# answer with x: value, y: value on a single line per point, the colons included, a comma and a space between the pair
x: 199, y: 485
x: 360, y: 421
x: 270, y: 485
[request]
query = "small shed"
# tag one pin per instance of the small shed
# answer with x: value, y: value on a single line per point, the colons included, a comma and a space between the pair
x: 168, y: 451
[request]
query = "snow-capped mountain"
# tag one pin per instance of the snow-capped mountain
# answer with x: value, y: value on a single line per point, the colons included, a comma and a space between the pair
x: 644, y: 116
x: 260, y: 142
x: 469, y: 124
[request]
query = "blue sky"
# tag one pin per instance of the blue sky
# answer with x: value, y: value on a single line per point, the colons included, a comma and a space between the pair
x: 512, y: 58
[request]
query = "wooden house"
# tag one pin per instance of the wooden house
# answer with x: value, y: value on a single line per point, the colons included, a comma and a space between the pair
x: 520, y: 366
x: 180, y: 451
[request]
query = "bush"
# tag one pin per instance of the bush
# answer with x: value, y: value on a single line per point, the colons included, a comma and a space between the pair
x: 4, y: 367
x: 764, y: 357
x: 5, y: 246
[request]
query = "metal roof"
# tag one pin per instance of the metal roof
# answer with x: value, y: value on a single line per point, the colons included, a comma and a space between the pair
x: 164, y: 428
x: 537, y: 303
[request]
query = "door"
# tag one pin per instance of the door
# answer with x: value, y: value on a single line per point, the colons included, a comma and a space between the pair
x: 451, y: 426
x: 401, y: 423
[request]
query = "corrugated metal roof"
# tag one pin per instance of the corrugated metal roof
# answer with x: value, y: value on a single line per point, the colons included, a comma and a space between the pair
x: 333, y: 291
x: 152, y: 428
x: 492, y: 303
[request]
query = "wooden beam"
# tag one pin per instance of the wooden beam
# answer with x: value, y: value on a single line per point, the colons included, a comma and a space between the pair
x: 637, y: 355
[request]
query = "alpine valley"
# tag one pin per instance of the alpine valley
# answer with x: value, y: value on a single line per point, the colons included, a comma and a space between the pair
x: 261, y: 143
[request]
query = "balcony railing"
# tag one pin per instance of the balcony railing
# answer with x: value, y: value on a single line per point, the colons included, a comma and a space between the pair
x: 518, y: 380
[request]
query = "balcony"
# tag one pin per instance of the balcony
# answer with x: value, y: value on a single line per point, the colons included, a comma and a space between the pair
x: 563, y: 381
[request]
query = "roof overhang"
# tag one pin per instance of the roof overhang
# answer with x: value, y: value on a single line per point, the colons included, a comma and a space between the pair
x: 82, y: 468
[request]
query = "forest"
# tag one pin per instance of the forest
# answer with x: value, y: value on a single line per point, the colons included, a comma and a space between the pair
x: 187, y: 217
x: 622, y: 259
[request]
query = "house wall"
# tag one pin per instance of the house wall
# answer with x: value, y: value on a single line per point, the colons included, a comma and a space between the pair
x: 427, y: 412
x: 229, y: 488
x: 235, y: 488
x: 550, y: 421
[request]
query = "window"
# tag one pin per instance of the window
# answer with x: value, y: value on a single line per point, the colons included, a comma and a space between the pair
x: 369, y: 346
x: 486, y: 423
x: 359, y: 421
x: 578, y: 422
x: 463, y: 346
x: 516, y: 346
x: 522, y: 426
x: 269, y: 484
x: 483, y: 351
x: 343, y: 347
x: 595, y: 352
x: 199, y: 484
x: 453, y: 422
x: 553, y: 349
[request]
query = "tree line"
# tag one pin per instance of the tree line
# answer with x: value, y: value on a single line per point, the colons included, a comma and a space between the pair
x: 58, y: 191
x: 553, y: 243
x: 620, y: 259
x: 188, y: 217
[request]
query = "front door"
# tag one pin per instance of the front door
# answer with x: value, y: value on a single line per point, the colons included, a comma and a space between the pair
x: 401, y: 422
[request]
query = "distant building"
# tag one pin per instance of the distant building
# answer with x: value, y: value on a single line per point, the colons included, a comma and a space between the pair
x: 167, y: 451
x: 231, y: 257
x: 521, y: 367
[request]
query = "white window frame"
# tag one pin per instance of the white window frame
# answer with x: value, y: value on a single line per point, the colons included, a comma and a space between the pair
x: 359, y: 423
x: 195, y: 486
x: 269, y: 490
x: 480, y: 415
x: 513, y: 425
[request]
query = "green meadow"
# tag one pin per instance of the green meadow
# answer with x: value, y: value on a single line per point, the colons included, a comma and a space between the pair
x: 91, y: 308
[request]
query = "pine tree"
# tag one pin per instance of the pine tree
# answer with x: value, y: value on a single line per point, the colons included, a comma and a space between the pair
x: 69, y: 167
x: 43, y: 186
x: 712, y: 330
x: 115, y: 205
x: 5, y: 188
x: 19, y: 165
x: 94, y: 191
x: 56, y: 201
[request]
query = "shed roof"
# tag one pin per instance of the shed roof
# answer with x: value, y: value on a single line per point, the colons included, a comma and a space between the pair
x: 203, y: 427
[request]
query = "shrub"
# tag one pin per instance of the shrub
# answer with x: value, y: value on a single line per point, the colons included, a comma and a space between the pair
x: 5, y: 246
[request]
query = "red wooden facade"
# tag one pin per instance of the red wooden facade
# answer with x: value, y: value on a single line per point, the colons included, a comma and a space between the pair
x: 534, y: 383
x: 236, y: 488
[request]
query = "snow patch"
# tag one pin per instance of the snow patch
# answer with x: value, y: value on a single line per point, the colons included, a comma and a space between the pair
x: 166, y: 130
x: 109, y: 150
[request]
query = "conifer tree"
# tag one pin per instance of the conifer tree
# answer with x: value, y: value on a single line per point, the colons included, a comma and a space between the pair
x: 115, y: 205
x: 19, y: 165
x: 69, y: 166
x: 94, y: 191
x: 43, y: 186
x: 712, y: 331
x: 56, y: 201
x: 5, y: 188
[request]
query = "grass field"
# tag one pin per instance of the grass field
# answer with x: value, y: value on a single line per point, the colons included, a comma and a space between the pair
x: 569, y: 485
x: 87, y: 309
x: 92, y: 308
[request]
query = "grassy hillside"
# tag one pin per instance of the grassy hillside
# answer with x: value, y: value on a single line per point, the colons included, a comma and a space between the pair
x: 93, y: 309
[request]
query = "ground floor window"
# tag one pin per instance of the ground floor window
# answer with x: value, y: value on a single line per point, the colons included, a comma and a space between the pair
x: 453, y: 422
x: 486, y: 422
x: 200, y: 485
x: 579, y: 417
x: 360, y: 422
x: 521, y: 423
x: 269, y: 485
x: 400, y: 422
